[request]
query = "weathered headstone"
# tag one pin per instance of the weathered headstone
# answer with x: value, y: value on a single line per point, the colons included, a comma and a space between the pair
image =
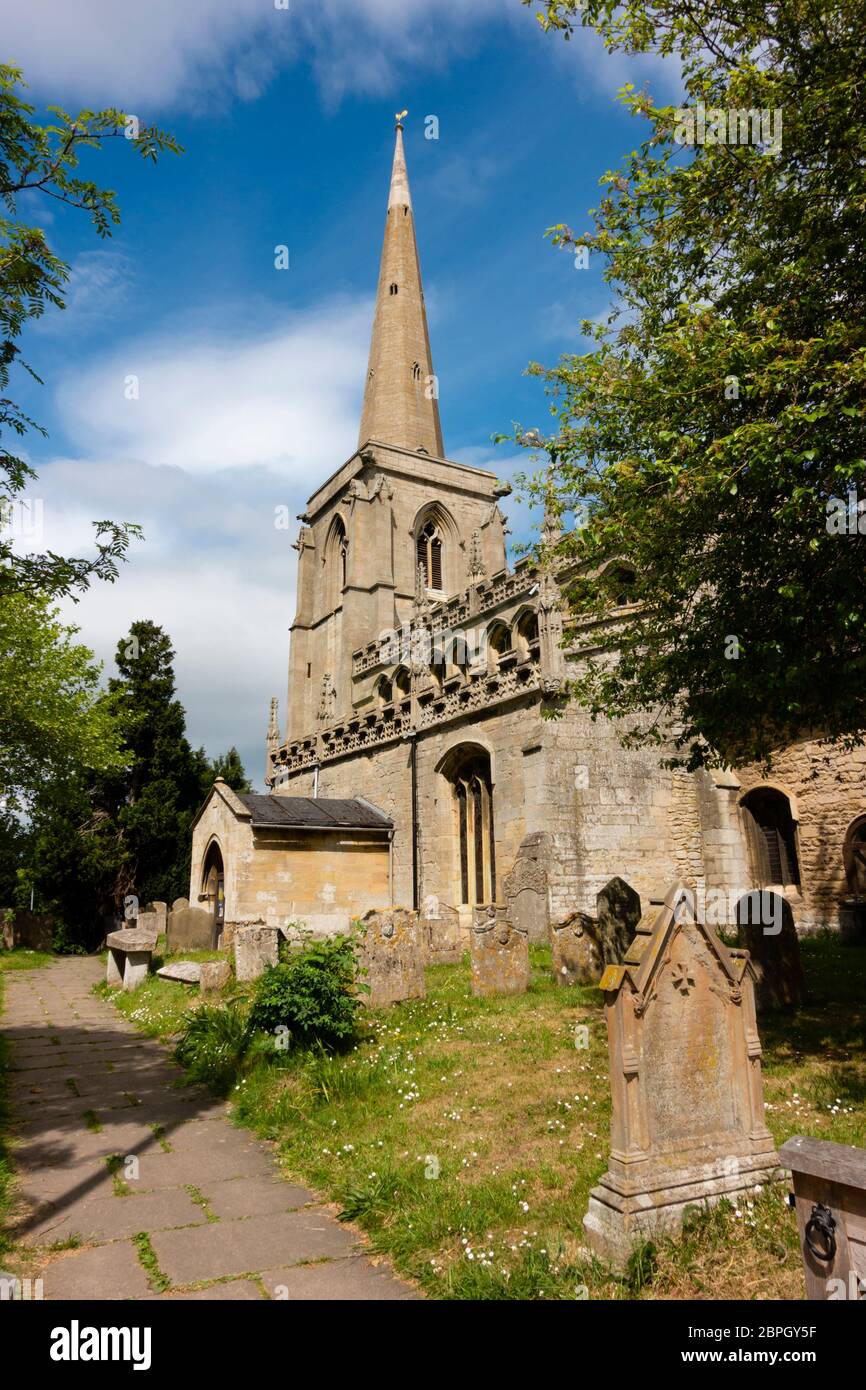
x: 256, y: 948
x: 618, y: 912
x: 161, y: 911
x: 765, y: 927
x: 441, y: 934
x: 577, y: 958
x: 687, y: 1123
x: 129, y: 956
x: 215, y: 975
x: 525, y: 892
x: 499, y: 953
x: 189, y: 928
x: 391, y: 955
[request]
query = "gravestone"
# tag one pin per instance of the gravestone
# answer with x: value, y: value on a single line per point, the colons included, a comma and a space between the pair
x: 161, y: 911
x: 215, y: 976
x: 577, y: 958
x: 184, y: 972
x: 765, y: 927
x: 256, y: 948
x: 189, y: 928
x: 391, y: 955
x: 618, y: 913
x: 687, y: 1121
x: 442, y: 938
x: 525, y: 888
x: 499, y: 953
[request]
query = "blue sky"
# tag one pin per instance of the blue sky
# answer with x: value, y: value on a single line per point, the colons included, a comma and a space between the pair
x: 250, y: 378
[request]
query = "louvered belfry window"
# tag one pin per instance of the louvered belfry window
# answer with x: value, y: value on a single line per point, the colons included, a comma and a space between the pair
x: 429, y: 550
x: 773, y: 837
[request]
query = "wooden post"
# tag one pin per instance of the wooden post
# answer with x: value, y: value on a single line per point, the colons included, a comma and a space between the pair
x: 833, y: 1177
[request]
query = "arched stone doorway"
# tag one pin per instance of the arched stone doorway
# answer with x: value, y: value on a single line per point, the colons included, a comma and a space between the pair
x: 213, y: 888
x: 854, y: 857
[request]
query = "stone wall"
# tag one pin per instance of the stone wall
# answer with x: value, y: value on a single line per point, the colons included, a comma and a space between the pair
x: 827, y: 788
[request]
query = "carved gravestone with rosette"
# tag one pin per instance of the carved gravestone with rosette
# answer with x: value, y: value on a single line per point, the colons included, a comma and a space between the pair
x: 687, y: 1121
x: 525, y: 888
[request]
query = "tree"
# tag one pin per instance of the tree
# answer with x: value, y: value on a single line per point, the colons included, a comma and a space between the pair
x: 41, y: 160
x: 229, y: 767
x: 99, y: 836
x: 51, y: 718
x: 713, y: 438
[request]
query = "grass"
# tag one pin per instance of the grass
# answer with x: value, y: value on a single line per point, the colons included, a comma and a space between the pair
x: 158, y: 1281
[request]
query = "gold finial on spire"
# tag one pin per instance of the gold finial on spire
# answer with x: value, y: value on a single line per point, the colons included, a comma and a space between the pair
x: 399, y: 118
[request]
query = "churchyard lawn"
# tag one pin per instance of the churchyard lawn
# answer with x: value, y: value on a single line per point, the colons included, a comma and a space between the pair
x: 463, y: 1135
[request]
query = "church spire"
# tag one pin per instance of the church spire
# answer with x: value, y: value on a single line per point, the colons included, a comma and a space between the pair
x: 400, y: 396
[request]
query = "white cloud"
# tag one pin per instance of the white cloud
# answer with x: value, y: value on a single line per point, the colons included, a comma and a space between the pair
x: 227, y: 430
x: 211, y: 399
x: 200, y: 54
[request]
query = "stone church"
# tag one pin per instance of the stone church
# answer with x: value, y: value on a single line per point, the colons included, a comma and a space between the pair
x: 421, y: 669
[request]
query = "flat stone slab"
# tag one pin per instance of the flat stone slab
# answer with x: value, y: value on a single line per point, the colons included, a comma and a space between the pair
x: 116, y: 1218
x: 186, y: 972
x: 105, y: 1272
x: 243, y: 1247
x: 354, y: 1279
x: 198, y: 1167
x: 242, y: 1197
x: 131, y: 939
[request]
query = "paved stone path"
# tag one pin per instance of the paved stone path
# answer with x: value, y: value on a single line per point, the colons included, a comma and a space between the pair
x: 85, y: 1087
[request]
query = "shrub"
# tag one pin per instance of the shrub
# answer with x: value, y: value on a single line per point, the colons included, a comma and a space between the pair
x: 313, y: 994
x: 213, y: 1046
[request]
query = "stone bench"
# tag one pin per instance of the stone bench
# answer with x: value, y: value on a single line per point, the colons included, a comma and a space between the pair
x: 129, y: 955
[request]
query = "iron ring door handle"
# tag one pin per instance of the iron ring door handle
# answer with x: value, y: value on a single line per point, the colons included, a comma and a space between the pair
x: 821, y: 1222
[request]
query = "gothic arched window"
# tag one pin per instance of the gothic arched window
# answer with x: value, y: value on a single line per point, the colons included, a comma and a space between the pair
x: 469, y: 775
x: 429, y: 554
x: 336, y: 560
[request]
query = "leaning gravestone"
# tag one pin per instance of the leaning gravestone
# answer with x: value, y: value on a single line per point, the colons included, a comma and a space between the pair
x: 618, y: 911
x: 765, y: 927
x: 577, y: 957
x: 390, y: 957
x: 499, y: 953
x: 189, y: 928
x: 256, y: 948
x: 687, y: 1123
x: 525, y: 888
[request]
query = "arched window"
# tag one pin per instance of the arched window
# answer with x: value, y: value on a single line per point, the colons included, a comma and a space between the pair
x: 854, y: 856
x: 402, y: 683
x: 526, y: 632
x: 392, y: 289
x: 384, y: 690
x: 772, y: 837
x: 429, y: 554
x: 336, y: 561
x: 498, y: 643
x: 468, y: 771
x: 623, y: 585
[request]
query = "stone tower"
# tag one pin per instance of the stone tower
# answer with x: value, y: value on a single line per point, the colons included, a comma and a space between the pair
x: 395, y: 504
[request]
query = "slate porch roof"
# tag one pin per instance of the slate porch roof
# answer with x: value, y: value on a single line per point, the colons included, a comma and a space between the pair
x: 319, y: 813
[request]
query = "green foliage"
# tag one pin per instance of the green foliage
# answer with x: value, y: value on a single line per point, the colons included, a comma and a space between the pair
x: 51, y: 719
x: 41, y: 160
x: 97, y: 835
x: 229, y: 767
x: 314, y: 995
x: 214, y: 1046
x: 721, y: 408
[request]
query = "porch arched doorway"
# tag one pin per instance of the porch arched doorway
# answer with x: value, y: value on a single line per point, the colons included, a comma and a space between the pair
x: 854, y: 856
x: 213, y: 888
x: 467, y: 768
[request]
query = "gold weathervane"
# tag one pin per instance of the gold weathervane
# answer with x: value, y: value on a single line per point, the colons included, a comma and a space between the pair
x: 399, y: 116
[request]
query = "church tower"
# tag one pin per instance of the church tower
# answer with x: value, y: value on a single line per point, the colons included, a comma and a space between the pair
x: 397, y: 517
